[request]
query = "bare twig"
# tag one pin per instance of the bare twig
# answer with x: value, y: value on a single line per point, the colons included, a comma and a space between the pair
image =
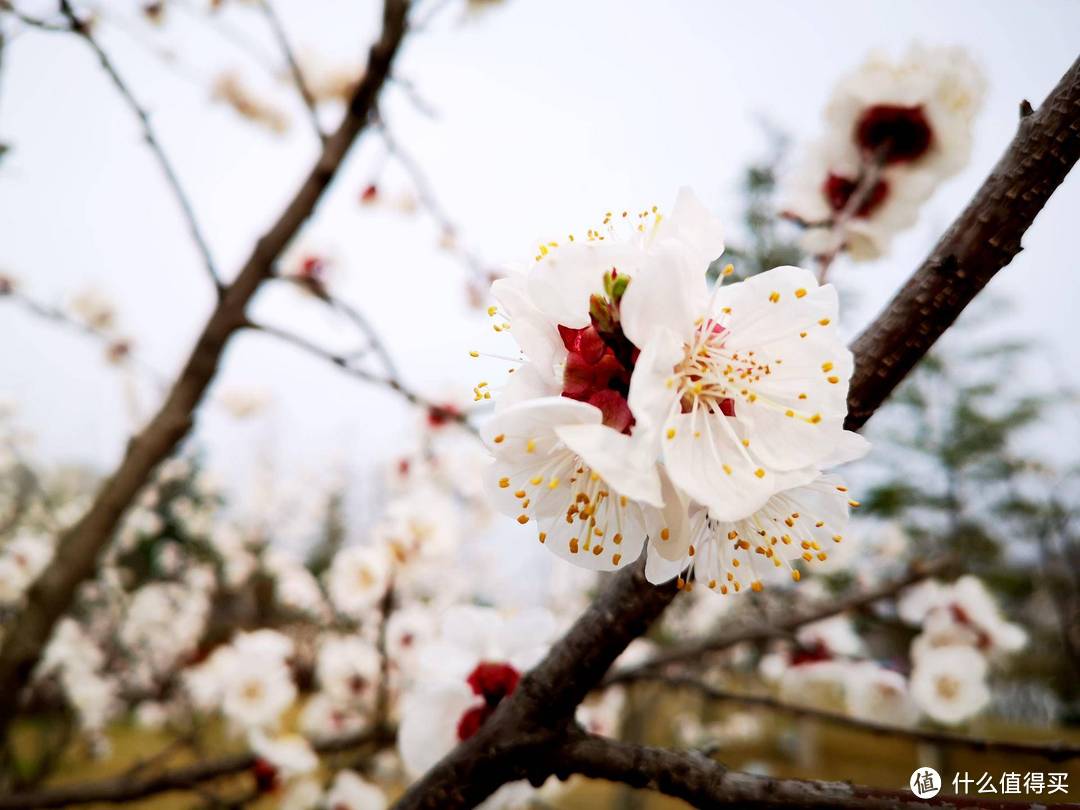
x: 78, y: 549
x: 430, y: 202
x: 344, y: 363
x: 696, y: 651
x: 85, y: 31
x: 129, y: 787
x: 1053, y: 751
x: 294, y: 67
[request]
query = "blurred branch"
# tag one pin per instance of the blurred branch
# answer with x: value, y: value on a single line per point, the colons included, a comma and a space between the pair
x: 344, y: 364
x: 116, y: 347
x: 85, y: 31
x: 512, y: 744
x: 696, y: 651
x: 1053, y: 751
x: 294, y: 67
x: 702, y: 782
x: 132, y: 786
x: 78, y: 549
x: 33, y: 22
x: 429, y: 201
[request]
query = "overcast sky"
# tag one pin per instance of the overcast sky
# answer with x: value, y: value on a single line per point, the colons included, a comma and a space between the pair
x: 548, y: 113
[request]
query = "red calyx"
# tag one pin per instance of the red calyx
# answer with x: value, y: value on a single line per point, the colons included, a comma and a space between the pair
x: 369, y: 193
x: 265, y: 776
x: 594, y: 374
x: 901, y: 134
x: 492, y: 682
x: 838, y: 191
x: 439, y: 415
x: 811, y: 654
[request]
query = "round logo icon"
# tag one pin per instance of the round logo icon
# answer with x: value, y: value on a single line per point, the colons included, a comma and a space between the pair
x: 925, y: 782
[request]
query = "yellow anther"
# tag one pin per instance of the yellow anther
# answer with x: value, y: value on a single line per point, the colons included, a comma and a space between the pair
x: 543, y: 536
x: 492, y: 310
x: 519, y: 494
x: 522, y: 519
x: 760, y: 473
x: 500, y: 438
x: 824, y: 322
x: 796, y: 576
x: 474, y: 354
x: 616, y: 559
x: 727, y: 469
x: 553, y: 483
x: 504, y: 482
x: 671, y: 433
x: 530, y: 446
x: 774, y: 296
x: 827, y: 366
x: 617, y: 539
x: 728, y: 269
x: 665, y: 534
x: 800, y: 293
x: 834, y: 380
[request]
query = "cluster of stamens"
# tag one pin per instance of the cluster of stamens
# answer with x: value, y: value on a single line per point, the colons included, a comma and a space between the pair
x: 777, y: 535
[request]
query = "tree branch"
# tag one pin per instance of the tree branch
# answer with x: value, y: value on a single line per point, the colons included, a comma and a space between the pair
x: 343, y: 363
x: 982, y: 240
x: 534, y: 718
x: 76, y: 557
x: 294, y: 67
x: 696, y: 779
x: 1053, y: 751
x: 129, y: 787
x: 84, y: 30
x: 695, y: 651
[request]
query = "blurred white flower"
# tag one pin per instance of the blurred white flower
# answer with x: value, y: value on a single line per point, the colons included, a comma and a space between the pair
x: 348, y: 670
x: 93, y: 308
x: 819, y: 685
x: 476, y: 661
x: 880, y: 695
x: 350, y: 791
x: 243, y: 403
x: 949, y: 684
x: 358, y: 578
x: 290, y: 755
x: 22, y: 559
x: 294, y: 585
x: 323, y: 717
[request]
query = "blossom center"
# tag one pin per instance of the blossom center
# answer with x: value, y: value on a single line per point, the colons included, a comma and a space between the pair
x: 838, y: 191
x: 600, y: 359
x: 901, y: 134
x: 492, y: 682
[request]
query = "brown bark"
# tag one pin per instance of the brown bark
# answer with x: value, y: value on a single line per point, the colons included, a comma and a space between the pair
x: 79, y: 547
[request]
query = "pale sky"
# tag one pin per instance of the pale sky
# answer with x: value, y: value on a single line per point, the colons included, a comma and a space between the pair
x: 549, y: 112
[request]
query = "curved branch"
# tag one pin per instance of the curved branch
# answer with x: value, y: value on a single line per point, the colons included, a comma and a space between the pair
x: 1053, y: 751
x: 78, y: 549
x: 1034, y: 164
x: 696, y: 779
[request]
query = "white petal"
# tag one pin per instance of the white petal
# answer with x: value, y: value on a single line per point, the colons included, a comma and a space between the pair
x: 537, y: 336
x: 628, y: 466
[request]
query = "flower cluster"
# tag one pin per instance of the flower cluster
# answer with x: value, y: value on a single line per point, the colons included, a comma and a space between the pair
x: 893, y: 131
x: 961, y: 633
x: 652, y: 411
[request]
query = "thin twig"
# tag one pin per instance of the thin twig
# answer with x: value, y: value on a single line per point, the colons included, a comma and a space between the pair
x: 1053, y: 751
x: 294, y: 67
x: 343, y: 363
x: 696, y: 651
x: 84, y: 30
x: 129, y: 787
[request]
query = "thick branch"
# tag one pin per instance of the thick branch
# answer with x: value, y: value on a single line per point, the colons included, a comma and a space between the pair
x: 76, y: 556
x: 1053, y: 751
x: 129, y: 787
x: 984, y: 238
x: 1035, y: 163
x: 696, y: 779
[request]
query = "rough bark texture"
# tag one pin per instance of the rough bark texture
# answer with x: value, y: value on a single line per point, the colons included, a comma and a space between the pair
x: 703, y: 782
x: 78, y: 550
x: 531, y: 735
x: 983, y: 239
